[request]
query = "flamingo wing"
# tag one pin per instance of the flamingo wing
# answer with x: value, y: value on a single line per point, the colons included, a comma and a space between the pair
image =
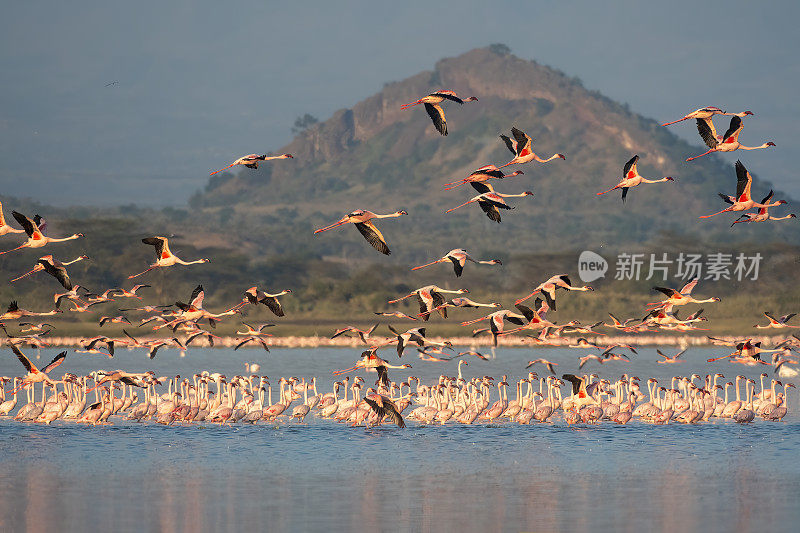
x: 510, y: 144
x: 686, y: 290
x: 707, y: 132
x: 734, y: 129
x: 383, y: 406
x: 196, y: 300
x: 768, y: 197
x: 624, y: 193
x: 60, y: 273
x: 57, y: 360
x: 274, y: 305
x: 458, y: 265
x: 30, y: 367
x: 490, y: 209
x: 159, y: 242
x: 373, y: 236
x: 630, y: 166
x: 437, y: 116
x: 26, y: 223
x: 481, y: 187
x: 743, y: 182
x: 525, y: 310
x: 522, y: 138
x: 448, y: 95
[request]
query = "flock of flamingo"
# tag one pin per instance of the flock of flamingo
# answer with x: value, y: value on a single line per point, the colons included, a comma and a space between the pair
x: 215, y: 398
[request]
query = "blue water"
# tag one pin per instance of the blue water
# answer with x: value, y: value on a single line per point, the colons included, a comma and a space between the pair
x: 324, y: 476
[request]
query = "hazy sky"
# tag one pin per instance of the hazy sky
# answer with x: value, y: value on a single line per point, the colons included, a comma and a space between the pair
x: 201, y: 83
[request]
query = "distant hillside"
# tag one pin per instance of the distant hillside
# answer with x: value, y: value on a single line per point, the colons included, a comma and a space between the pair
x: 376, y: 156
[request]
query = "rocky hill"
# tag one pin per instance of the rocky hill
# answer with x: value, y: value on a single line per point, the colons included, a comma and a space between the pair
x: 378, y: 157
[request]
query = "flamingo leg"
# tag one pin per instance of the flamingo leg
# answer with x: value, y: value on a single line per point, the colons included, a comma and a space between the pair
x: 528, y: 296
x: 718, y: 358
x: 220, y: 170
x: 715, y: 214
x: 338, y: 372
x: 609, y: 190
x: 674, y: 121
x: 140, y: 273
x: 462, y: 205
x: 326, y: 228
x: 14, y: 249
x: 25, y: 275
x: 406, y: 106
x: 423, y: 266
x: 454, y: 184
x: 701, y: 155
x: 507, y: 164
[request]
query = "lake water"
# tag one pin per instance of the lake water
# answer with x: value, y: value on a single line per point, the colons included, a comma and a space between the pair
x: 325, y: 476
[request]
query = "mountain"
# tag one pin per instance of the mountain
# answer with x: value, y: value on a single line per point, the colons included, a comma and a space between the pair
x: 378, y: 157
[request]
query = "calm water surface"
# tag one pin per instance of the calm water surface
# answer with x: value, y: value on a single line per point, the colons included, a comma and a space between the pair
x: 324, y: 476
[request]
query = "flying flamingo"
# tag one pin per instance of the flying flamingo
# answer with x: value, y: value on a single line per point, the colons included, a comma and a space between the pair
x: 548, y: 364
x: 459, y: 257
x: 353, y: 331
x: 255, y: 297
x: 5, y: 229
x: 521, y: 148
x: 55, y: 268
x: 670, y: 359
x: 34, y: 374
x: 363, y: 222
x: 681, y: 297
x: 743, y: 199
x: 433, y: 108
x: 36, y: 237
x: 460, y: 302
x: 702, y: 114
x: 252, y: 160
x: 369, y: 359
x: 164, y: 256
x: 481, y: 175
x: 729, y: 141
x: 707, y: 131
x: 777, y: 323
x: 548, y: 289
x: 489, y: 201
x: 14, y: 312
x: 762, y: 214
x: 631, y: 178
x: 428, y: 297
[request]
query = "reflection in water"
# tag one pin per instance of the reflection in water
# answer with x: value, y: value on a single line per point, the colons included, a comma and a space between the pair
x: 323, y: 477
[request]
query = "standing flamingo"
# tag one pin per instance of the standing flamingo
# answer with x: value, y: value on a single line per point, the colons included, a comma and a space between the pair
x: 433, y: 108
x: 363, y: 222
x: 729, y: 142
x: 35, y: 231
x: 631, y: 178
x: 743, y: 199
x: 164, y: 257
x: 521, y: 148
x: 252, y: 160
